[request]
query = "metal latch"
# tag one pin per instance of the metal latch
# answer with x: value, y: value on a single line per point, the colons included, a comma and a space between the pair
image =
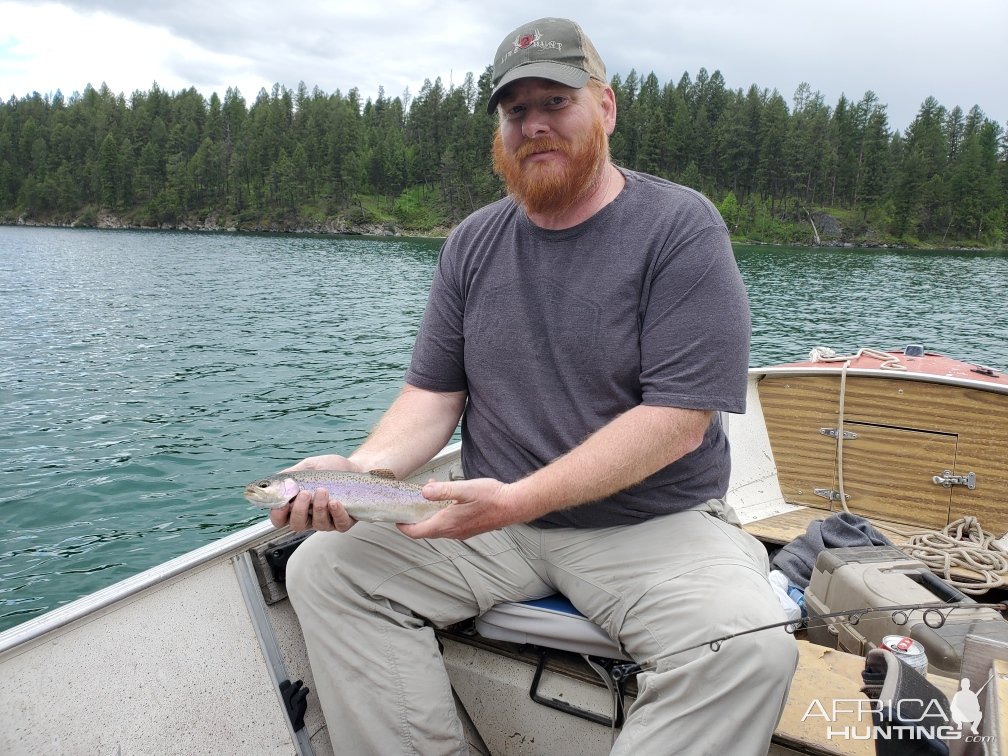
x: 948, y: 480
x: 828, y: 494
x: 832, y: 433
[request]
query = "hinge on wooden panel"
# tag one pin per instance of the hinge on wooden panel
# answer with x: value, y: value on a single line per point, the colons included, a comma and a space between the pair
x: 948, y: 480
x: 832, y: 433
x: 829, y: 494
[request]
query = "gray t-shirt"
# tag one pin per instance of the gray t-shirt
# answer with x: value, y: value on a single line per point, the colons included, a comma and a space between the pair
x: 555, y: 333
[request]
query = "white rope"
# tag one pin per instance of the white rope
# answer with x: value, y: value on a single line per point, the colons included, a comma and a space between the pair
x: 839, y: 437
x: 889, y: 361
x: 962, y: 543
x: 825, y: 354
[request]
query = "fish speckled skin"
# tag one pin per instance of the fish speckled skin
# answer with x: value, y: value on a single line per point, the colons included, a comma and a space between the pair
x: 365, y: 496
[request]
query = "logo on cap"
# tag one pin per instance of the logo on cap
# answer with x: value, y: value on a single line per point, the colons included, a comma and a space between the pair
x: 525, y: 41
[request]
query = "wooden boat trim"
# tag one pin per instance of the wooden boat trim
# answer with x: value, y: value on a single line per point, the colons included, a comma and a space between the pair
x: 909, y: 375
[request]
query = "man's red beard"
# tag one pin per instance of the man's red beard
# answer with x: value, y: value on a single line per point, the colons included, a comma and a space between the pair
x: 550, y: 189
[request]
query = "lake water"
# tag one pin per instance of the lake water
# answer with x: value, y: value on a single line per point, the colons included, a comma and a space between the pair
x: 145, y: 377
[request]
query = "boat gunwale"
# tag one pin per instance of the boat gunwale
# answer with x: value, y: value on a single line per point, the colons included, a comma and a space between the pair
x: 227, y: 546
x: 103, y: 598
x: 822, y: 369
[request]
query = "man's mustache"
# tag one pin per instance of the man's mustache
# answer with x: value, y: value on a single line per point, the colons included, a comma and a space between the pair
x: 541, y: 144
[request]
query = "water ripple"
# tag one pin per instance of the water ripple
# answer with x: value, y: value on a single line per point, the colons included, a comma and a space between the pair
x: 148, y: 376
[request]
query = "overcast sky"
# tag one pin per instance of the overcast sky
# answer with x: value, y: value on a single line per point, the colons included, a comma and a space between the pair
x: 903, y: 50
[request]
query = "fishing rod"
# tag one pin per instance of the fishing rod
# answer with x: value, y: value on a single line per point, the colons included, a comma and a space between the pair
x: 934, y: 616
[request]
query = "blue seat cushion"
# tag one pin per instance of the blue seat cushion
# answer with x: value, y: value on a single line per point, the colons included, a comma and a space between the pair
x: 551, y: 622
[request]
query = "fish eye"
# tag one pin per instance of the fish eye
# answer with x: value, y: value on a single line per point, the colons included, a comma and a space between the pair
x: 263, y: 484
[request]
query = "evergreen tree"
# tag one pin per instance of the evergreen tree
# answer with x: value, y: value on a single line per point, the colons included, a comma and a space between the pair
x: 166, y: 157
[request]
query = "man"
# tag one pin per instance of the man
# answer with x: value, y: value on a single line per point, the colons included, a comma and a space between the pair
x: 587, y: 330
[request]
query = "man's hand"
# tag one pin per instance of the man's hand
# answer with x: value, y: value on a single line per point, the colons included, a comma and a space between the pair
x: 481, y: 505
x: 313, y: 510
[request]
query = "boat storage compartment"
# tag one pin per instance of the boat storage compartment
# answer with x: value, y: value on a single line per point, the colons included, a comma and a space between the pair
x: 862, y: 577
x: 911, y: 451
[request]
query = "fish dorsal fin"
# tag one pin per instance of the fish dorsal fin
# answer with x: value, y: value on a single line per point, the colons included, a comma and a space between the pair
x: 382, y: 473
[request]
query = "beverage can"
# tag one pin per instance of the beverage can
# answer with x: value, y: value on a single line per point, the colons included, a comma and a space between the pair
x: 908, y: 650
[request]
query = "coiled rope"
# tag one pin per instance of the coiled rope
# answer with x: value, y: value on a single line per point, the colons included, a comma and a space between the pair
x: 962, y: 543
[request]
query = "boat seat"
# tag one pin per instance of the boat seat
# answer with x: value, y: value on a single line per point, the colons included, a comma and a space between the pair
x: 550, y: 622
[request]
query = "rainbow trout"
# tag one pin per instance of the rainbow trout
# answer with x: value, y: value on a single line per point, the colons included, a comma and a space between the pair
x: 375, y: 496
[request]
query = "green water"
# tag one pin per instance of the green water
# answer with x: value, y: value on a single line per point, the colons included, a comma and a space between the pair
x: 145, y: 377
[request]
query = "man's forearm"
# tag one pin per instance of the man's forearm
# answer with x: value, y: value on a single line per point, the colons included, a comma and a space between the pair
x: 622, y: 453
x: 414, y: 428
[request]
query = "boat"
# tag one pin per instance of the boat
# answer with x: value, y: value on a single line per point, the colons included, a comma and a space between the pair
x: 203, y: 654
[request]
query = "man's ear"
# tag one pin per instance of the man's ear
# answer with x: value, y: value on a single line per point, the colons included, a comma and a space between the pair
x: 608, y: 103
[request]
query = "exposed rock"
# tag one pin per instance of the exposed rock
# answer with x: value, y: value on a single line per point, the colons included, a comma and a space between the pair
x: 108, y: 220
x: 828, y: 226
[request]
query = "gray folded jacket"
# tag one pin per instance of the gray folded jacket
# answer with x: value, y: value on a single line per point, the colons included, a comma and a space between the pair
x: 844, y: 529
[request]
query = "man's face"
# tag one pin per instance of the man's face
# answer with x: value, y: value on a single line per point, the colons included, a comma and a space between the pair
x: 552, y: 143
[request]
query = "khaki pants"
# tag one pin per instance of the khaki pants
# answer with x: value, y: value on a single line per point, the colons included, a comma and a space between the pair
x: 657, y: 587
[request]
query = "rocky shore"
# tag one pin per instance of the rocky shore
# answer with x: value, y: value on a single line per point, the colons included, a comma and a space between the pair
x: 214, y: 223
x: 828, y: 230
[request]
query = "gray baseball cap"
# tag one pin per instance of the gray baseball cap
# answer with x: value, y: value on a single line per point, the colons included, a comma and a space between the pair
x: 551, y: 48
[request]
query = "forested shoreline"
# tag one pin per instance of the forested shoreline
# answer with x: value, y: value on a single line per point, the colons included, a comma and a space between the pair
x: 804, y: 172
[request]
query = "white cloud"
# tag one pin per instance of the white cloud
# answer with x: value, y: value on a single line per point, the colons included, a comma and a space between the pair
x: 51, y: 47
x: 904, y: 50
